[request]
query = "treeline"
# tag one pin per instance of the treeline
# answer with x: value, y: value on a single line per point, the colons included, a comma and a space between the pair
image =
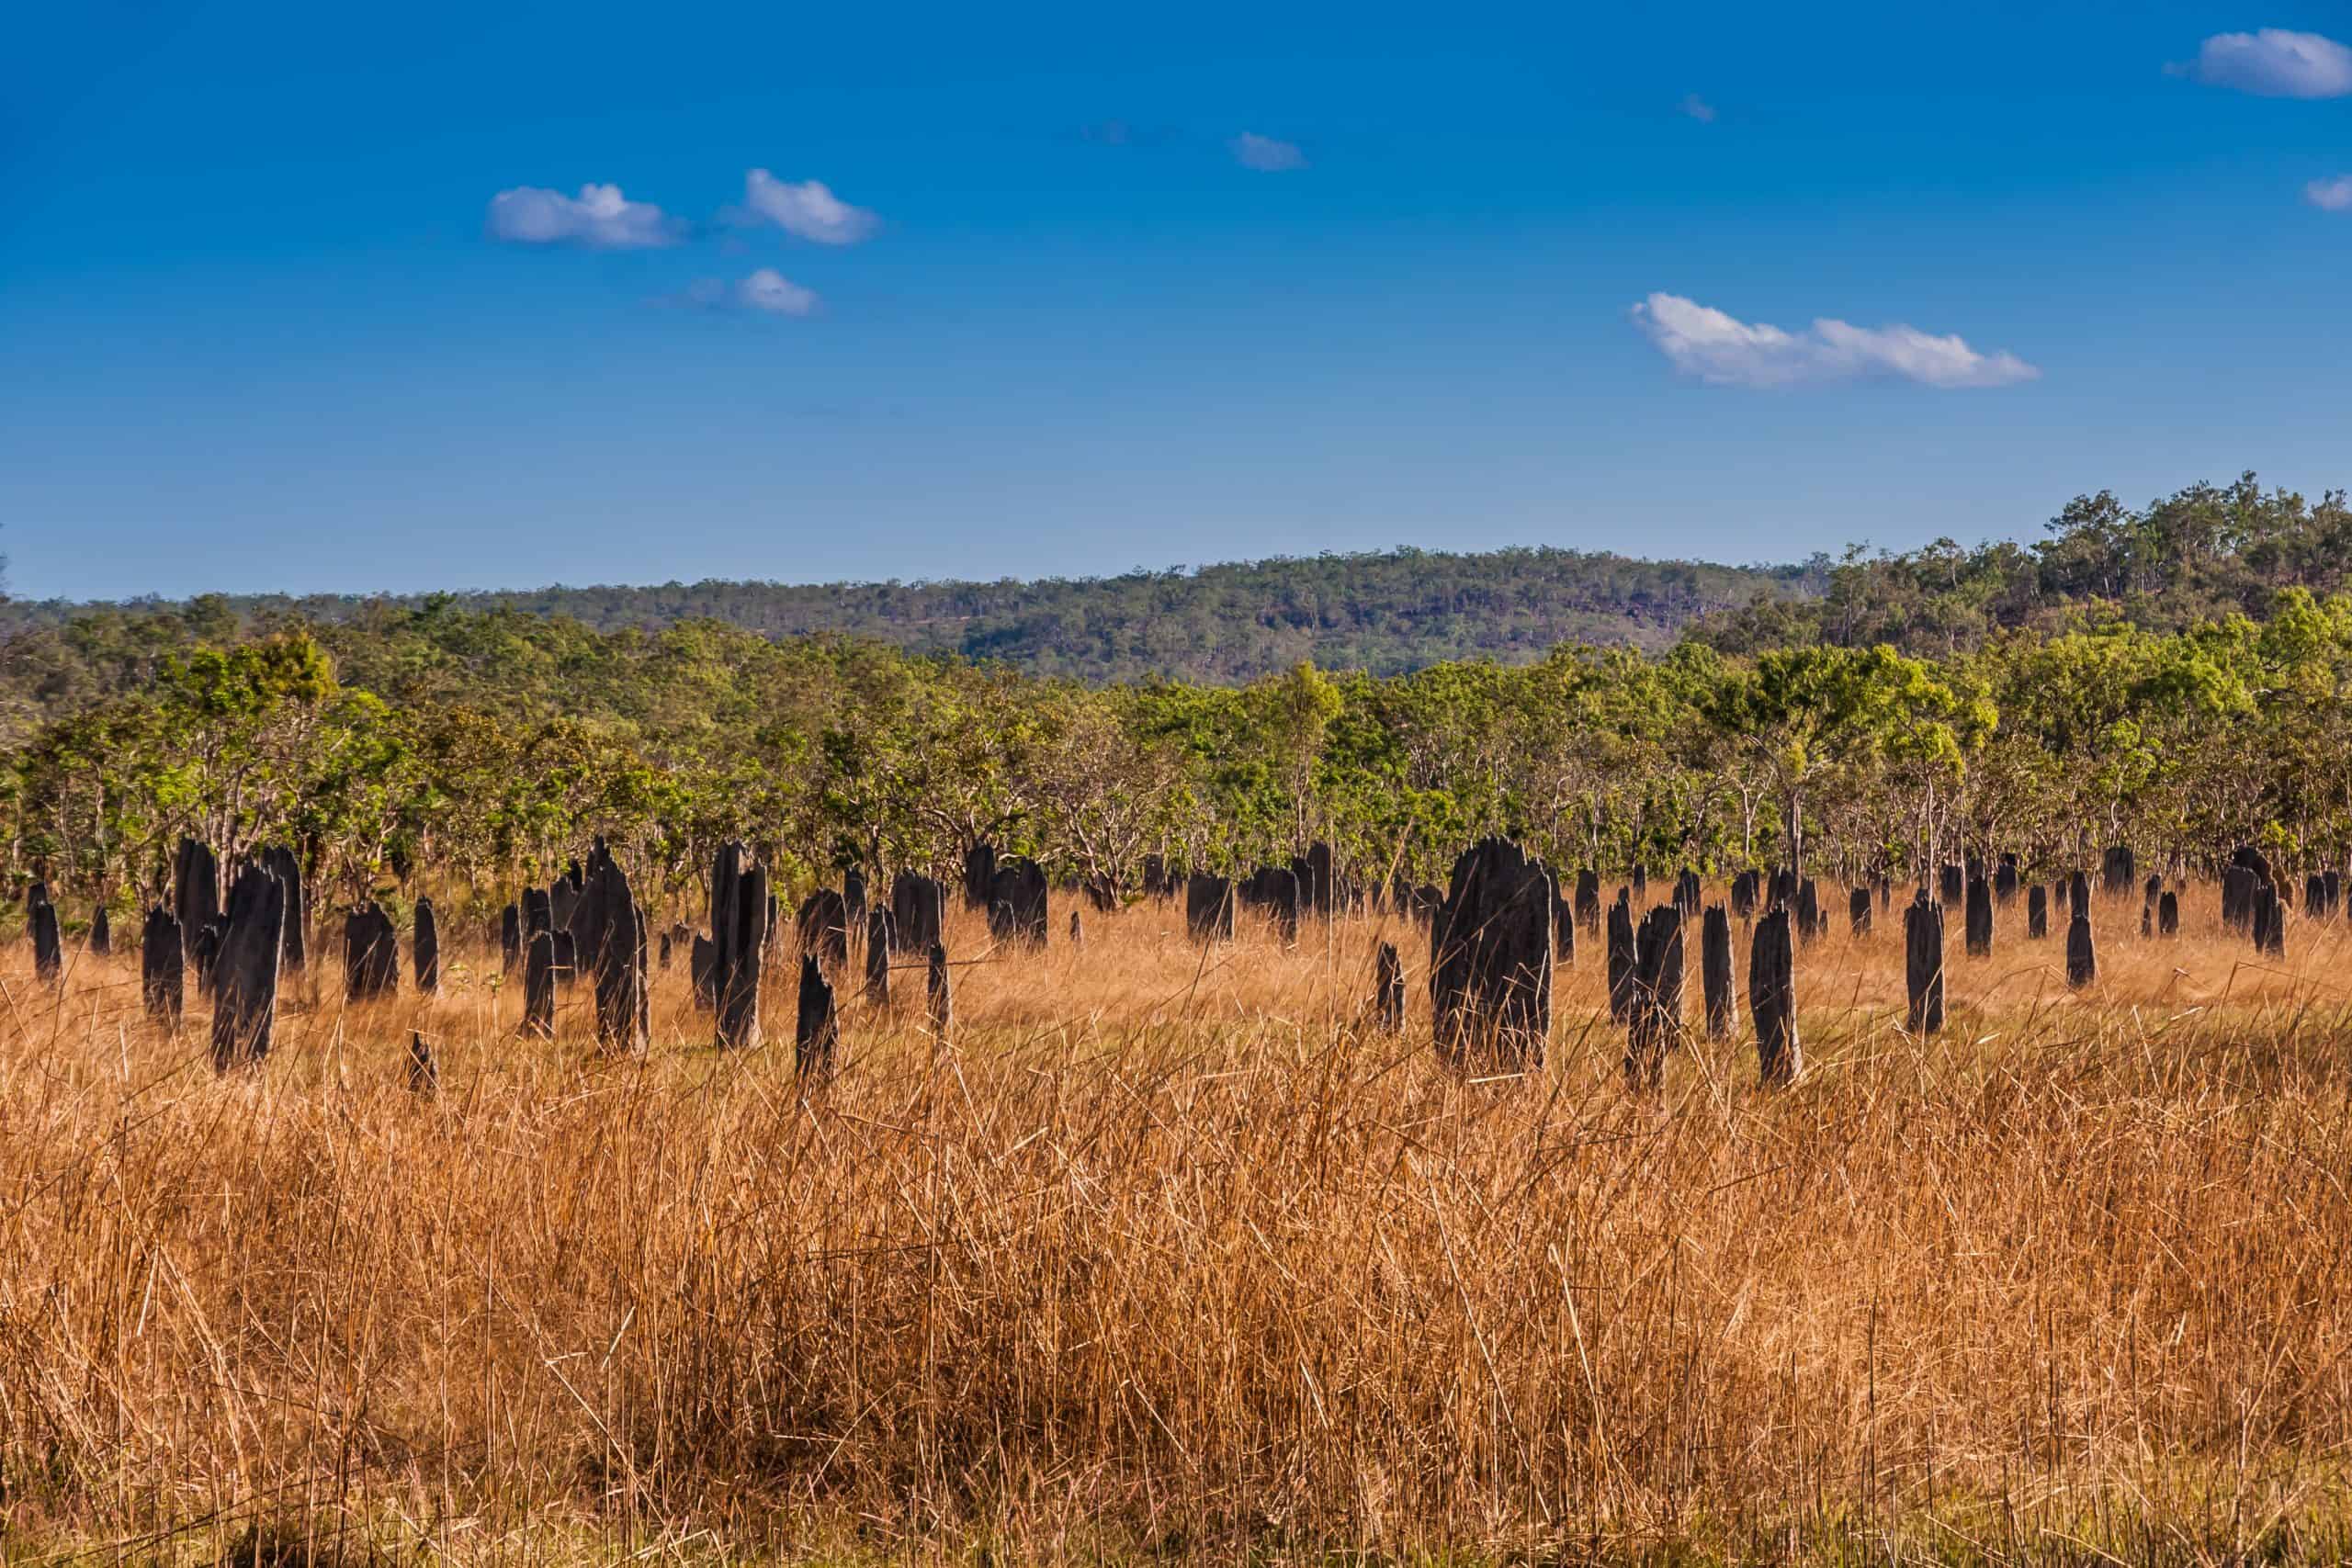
x: 2197, y: 554
x: 483, y: 749
x: 1385, y: 612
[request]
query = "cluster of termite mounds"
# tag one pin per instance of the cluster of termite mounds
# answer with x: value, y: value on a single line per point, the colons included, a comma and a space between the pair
x: 1504, y: 921
x: 832, y: 925
x: 587, y: 924
x: 1490, y: 984
x: 2254, y: 906
x: 1496, y: 931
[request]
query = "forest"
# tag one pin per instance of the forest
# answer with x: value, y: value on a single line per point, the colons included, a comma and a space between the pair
x: 1383, y: 612
x: 2200, y: 554
x: 488, y: 744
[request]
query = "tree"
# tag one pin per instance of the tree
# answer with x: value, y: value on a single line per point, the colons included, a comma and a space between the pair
x: 1804, y: 711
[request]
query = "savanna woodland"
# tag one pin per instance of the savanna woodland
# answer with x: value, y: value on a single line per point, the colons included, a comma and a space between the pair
x: 487, y: 1083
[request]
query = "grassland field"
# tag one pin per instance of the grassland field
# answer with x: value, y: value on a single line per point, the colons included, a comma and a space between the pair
x: 1164, y: 1255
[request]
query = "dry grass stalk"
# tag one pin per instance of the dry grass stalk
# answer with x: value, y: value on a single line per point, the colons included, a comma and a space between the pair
x: 1171, y: 1246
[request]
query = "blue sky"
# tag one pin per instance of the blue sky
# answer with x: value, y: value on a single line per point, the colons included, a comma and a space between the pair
x: 1075, y: 289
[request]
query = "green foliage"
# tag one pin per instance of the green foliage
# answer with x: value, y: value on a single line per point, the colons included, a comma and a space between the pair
x: 487, y: 743
x: 2197, y: 556
x: 1386, y: 613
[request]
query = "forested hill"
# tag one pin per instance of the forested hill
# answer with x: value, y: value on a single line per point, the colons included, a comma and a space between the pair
x: 2201, y: 553
x: 1385, y: 613
x: 2204, y: 553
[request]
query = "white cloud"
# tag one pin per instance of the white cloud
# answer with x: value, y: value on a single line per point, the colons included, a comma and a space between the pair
x: 2329, y: 196
x: 1265, y: 154
x: 808, y: 211
x: 2275, y: 63
x: 599, y: 217
x: 1698, y: 108
x: 1723, y: 351
x: 766, y: 292
x: 770, y: 291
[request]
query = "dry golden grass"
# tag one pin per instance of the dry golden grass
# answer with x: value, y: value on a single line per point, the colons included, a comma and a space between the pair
x: 1165, y: 1257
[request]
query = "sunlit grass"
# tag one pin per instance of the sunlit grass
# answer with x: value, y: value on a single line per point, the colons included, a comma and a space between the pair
x: 1164, y: 1253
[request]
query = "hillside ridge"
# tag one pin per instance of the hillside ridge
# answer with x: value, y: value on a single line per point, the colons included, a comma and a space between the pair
x: 1386, y: 611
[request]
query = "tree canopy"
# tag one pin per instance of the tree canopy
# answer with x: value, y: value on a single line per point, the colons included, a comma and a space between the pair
x: 484, y: 744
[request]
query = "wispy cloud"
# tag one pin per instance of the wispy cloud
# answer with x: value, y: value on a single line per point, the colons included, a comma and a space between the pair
x: 1723, y: 351
x: 1698, y: 108
x: 599, y: 217
x: 2331, y: 195
x: 1265, y: 154
x: 808, y: 210
x: 2275, y: 63
x: 771, y: 293
x: 766, y: 292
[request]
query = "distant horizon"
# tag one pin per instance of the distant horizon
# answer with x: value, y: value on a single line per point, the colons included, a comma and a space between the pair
x: 1180, y: 571
x: 16, y: 590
